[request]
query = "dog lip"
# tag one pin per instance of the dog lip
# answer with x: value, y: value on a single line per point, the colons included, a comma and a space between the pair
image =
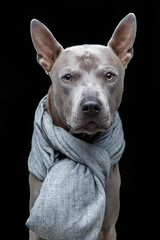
x: 89, y: 128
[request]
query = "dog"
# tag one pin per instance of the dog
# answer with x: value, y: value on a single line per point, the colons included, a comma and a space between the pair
x: 86, y: 91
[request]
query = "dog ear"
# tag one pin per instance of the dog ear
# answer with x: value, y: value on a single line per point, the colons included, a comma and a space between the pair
x: 45, y: 44
x: 123, y: 38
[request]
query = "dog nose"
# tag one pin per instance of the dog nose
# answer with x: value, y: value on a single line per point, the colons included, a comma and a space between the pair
x: 91, y: 107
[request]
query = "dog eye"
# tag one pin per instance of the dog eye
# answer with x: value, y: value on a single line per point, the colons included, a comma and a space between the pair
x: 109, y: 76
x: 67, y: 78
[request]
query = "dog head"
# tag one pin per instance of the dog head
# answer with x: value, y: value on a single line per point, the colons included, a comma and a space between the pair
x: 87, y: 79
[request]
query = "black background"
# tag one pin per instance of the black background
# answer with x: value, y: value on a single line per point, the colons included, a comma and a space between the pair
x: 23, y: 83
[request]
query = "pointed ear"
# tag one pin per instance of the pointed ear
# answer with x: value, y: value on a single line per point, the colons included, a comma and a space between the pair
x: 45, y: 44
x: 123, y: 38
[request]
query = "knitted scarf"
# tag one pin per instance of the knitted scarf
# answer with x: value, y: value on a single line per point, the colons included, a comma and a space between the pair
x: 71, y: 203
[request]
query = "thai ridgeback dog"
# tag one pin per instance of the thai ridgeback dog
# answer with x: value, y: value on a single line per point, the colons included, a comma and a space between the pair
x: 86, y: 91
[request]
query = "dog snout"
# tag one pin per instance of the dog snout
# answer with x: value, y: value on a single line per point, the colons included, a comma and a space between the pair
x: 91, y: 107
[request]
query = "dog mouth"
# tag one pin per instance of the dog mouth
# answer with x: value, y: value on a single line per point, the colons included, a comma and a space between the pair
x: 90, y: 128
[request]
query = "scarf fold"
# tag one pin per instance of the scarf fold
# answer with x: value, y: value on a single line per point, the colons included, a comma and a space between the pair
x: 72, y: 200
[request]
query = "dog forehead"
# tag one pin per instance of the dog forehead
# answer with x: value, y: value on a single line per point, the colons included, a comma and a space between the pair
x: 85, y: 56
x: 85, y: 51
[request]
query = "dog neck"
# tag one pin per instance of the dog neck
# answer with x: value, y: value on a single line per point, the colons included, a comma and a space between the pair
x: 51, y: 109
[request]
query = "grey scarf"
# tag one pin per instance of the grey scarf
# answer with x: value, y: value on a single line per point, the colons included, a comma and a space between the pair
x: 72, y: 200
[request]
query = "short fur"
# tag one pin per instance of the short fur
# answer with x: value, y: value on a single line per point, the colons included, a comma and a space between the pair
x: 82, y: 100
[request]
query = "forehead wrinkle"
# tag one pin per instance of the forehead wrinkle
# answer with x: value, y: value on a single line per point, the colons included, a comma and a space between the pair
x: 87, y: 60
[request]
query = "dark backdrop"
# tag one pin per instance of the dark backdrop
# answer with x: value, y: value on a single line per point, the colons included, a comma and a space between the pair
x: 23, y: 83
